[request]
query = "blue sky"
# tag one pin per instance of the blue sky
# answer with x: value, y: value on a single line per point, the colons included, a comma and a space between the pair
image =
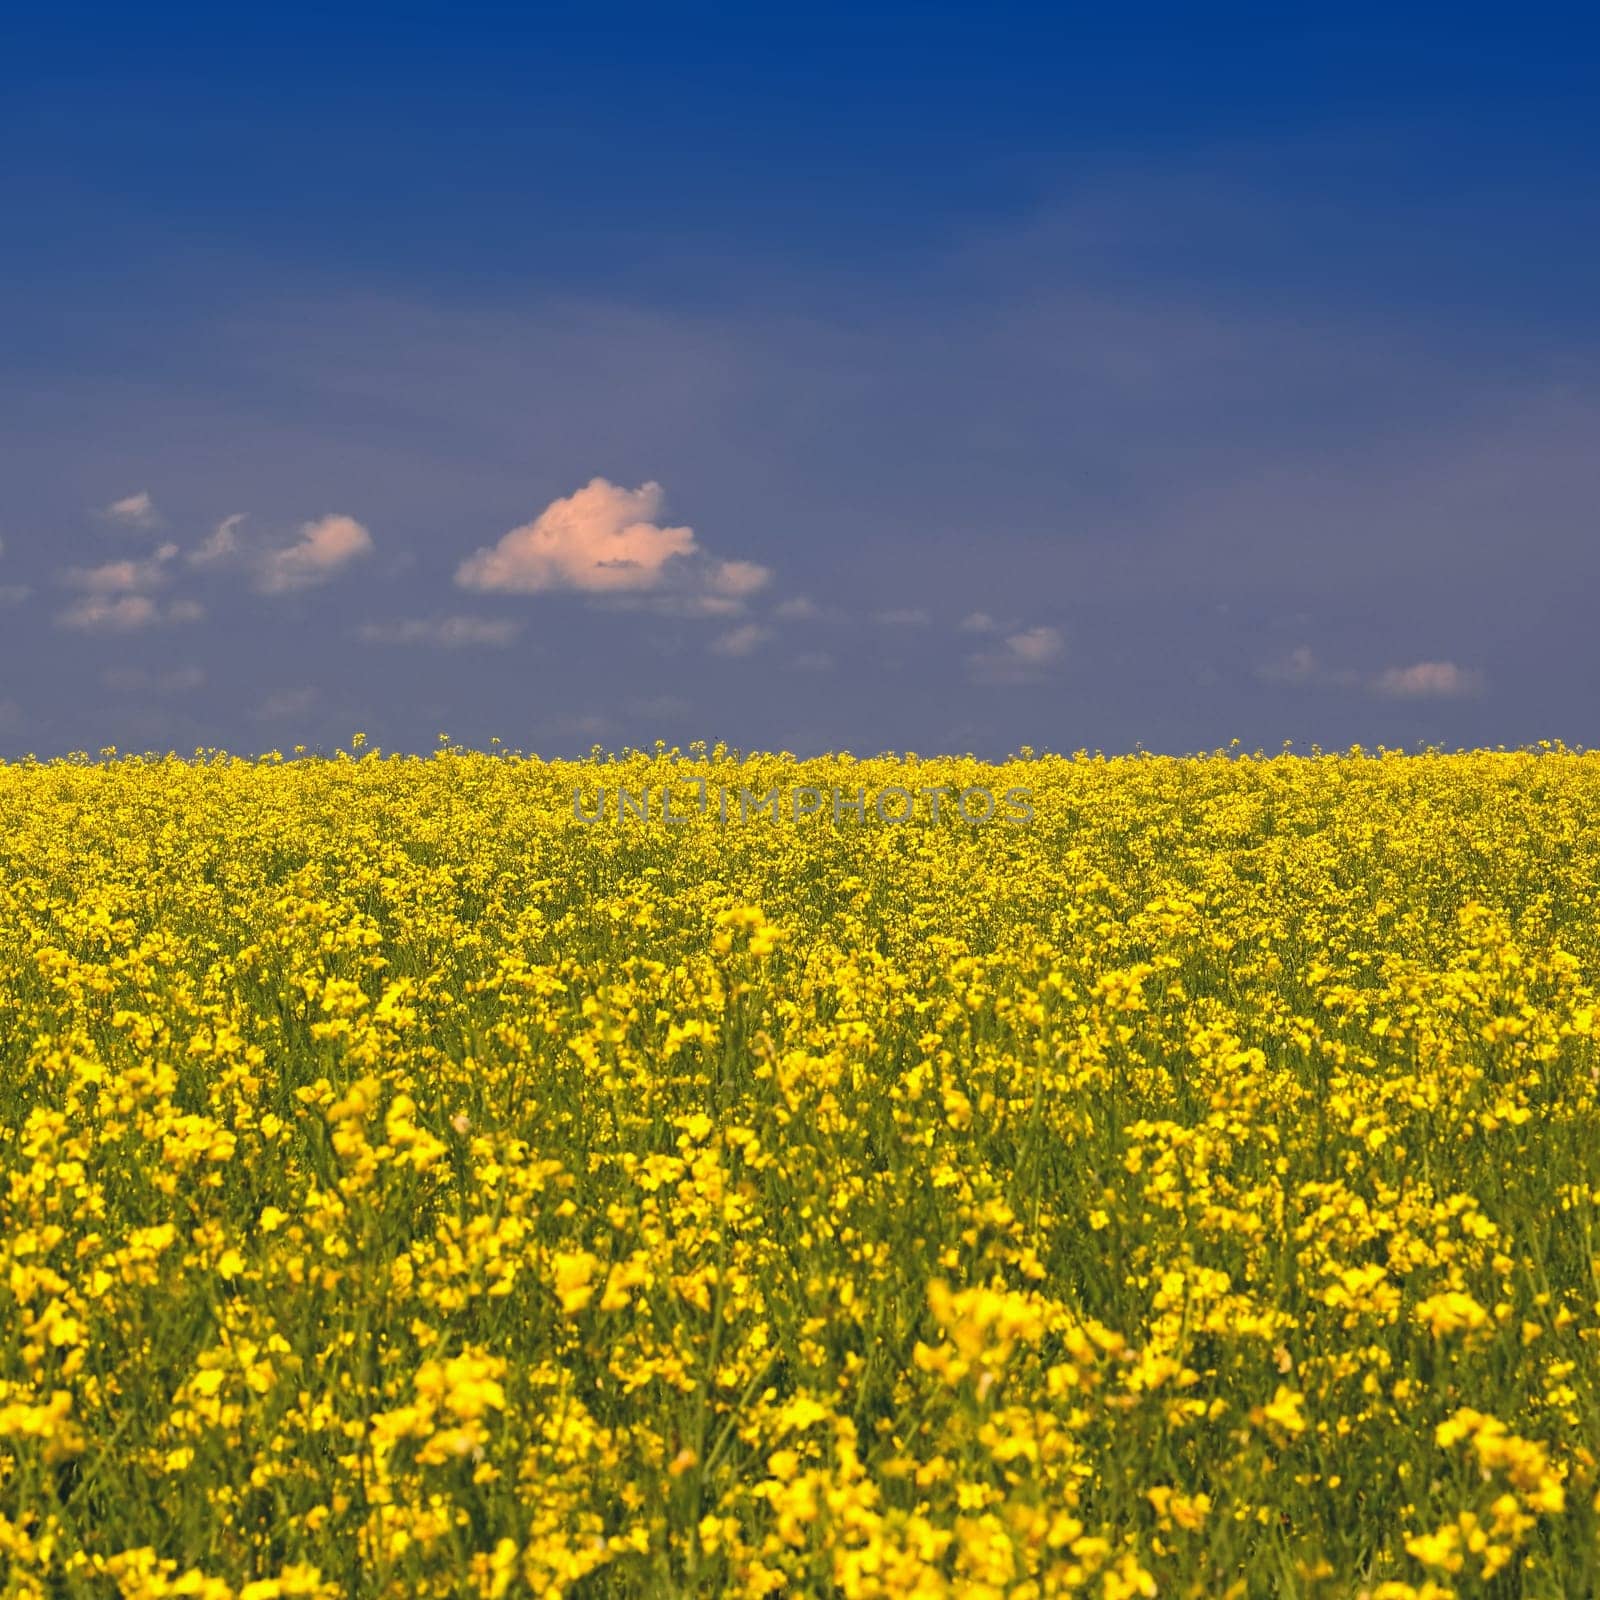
x: 874, y: 379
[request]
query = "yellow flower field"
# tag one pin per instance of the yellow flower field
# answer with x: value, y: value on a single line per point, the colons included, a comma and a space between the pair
x: 411, y: 1187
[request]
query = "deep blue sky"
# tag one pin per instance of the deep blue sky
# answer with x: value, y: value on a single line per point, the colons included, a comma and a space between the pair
x: 1022, y: 378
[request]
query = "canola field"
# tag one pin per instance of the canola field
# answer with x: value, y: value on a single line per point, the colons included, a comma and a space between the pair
x: 410, y: 1187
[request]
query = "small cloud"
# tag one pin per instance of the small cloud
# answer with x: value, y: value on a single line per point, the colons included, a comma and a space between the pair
x: 133, y: 511
x: 902, y: 618
x: 579, y: 727
x: 13, y: 594
x: 814, y: 661
x: 123, y: 577
x: 221, y: 544
x: 1427, y: 680
x: 1299, y: 666
x: 799, y: 609
x: 978, y: 622
x: 663, y: 708
x: 119, y: 596
x: 135, y: 680
x: 1301, y: 669
x: 286, y: 703
x: 1421, y: 681
x: 1021, y: 657
x: 449, y: 632
x: 741, y: 641
x: 1035, y: 645
x: 97, y: 613
x: 739, y: 578
x: 325, y: 547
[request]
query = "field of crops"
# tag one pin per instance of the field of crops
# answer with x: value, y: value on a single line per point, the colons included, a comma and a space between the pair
x: 410, y: 1187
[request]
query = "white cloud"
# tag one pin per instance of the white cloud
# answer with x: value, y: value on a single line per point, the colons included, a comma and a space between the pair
x: 325, y: 547
x: 13, y: 594
x: 799, y: 609
x: 1020, y: 658
x: 602, y: 539
x: 741, y: 641
x: 902, y: 617
x: 978, y: 622
x: 1427, y: 680
x: 133, y: 511
x: 450, y: 632
x: 814, y: 661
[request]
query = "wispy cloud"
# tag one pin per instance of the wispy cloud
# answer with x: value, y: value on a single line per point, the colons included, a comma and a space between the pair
x: 121, y: 596
x: 125, y: 613
x: 1428, y: 680
x: 137, y: 680
x: 449, y: 632
x: 1422, y: 680
x: 221, y: 544
x: 741, y: 641
x: 287, y: 703
x: 133, y: 511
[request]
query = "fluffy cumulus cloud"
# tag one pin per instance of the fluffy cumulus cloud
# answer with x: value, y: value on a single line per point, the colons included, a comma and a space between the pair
x: 452, y: 633
x: 605, y: 540
x: 602, y: 539
x: 323, y: 550
x: 1020, y: 657
x: 133, y: 510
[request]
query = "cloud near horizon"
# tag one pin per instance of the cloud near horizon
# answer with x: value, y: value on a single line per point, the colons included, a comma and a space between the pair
x: 1422, y: 680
